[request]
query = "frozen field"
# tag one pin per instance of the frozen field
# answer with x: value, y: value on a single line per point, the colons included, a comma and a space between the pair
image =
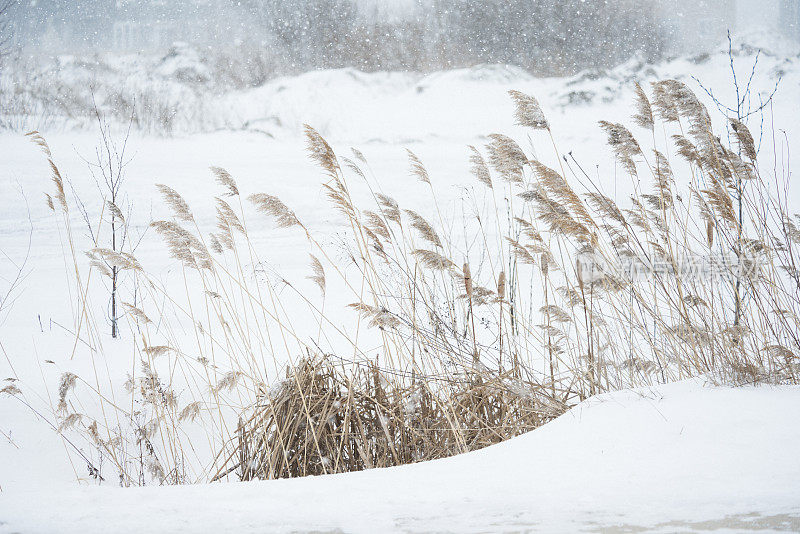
x: 682, y: 457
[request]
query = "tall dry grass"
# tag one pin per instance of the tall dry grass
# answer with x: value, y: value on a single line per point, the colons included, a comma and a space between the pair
x: 559, y: 294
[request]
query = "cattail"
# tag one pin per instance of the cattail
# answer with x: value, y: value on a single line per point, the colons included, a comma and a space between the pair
x: 467, y: 281
x: 501, y: 286
x: 579, y: 272
x: 710, y: 233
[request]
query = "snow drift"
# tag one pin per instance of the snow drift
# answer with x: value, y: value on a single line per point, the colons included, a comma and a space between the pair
x: 676, y: 457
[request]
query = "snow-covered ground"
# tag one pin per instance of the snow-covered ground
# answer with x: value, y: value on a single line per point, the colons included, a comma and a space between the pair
x: 678, y: 458
x: 675, y: 458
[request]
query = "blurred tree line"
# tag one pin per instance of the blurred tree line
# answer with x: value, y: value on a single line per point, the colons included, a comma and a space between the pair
x: 545, y: 37
x: 262, y: 38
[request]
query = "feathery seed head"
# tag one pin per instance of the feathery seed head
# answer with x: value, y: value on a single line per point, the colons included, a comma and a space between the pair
x: 644, y: 112
x: 528, y: 112
x: 320, y: 151
x: 225, y: 180
x: 273, y: 206
x: 180, y: 209
x: 417, y: 168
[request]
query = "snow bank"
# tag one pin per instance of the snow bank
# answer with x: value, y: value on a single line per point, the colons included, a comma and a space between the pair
x: 678, y: 457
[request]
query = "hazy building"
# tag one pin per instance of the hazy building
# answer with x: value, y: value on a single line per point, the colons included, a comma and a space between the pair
x: 157, y: 24
x: 695, y: 24
x: 789, y: 20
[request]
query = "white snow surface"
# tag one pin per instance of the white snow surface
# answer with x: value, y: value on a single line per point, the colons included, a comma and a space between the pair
x: 681, y: 457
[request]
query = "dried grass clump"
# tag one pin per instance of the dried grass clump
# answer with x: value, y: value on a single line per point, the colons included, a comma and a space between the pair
x: 317, y: 421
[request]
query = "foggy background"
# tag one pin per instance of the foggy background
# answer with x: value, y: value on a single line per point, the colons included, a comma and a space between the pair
x: 186, y: 66
x: 289, y: 36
